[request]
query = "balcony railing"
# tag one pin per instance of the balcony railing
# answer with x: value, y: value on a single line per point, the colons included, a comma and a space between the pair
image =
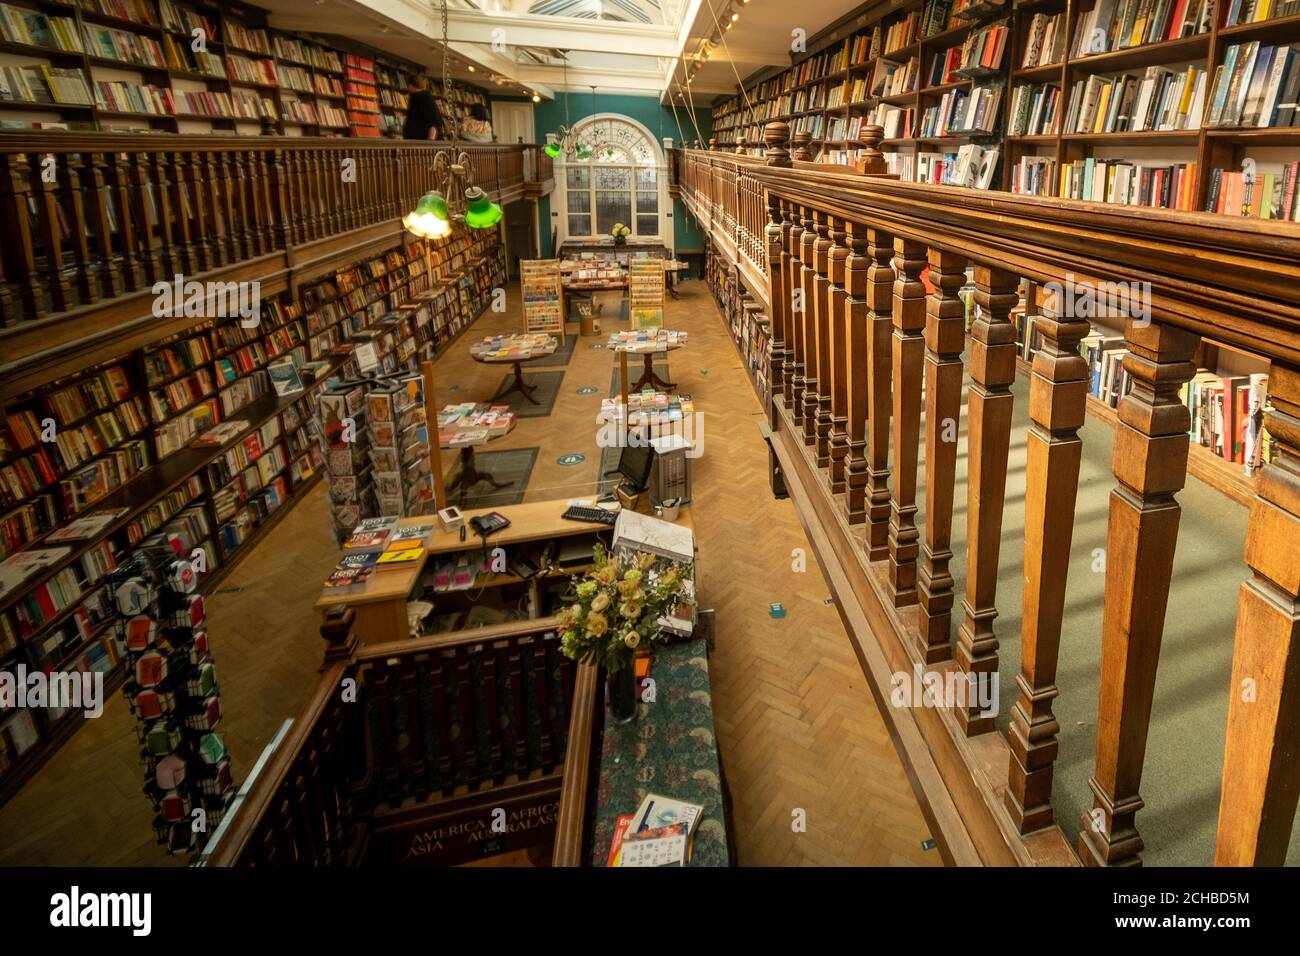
x: 866, y: 365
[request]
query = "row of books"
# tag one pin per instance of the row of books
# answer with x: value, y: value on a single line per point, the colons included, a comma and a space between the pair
x: 983, y: 49
x: 1256, y: 85
x: 970, y: 166
x: 1257, y: 11
x: 1257, y: 196
x: 44, y: 84
x: 963, y: 111
x: 1045, y: 44
x: 244, y: 70
x: 1161, y: 99
x: 1120, y: 24
x: 119, y: 96
x: 1034, y: 109
x: 33, y: 28
x: 1160, y: 186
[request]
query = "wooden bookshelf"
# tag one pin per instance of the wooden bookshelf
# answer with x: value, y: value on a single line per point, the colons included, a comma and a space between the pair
x: 407, y: 311
x: 305, y: 97
x: 1195, y: 152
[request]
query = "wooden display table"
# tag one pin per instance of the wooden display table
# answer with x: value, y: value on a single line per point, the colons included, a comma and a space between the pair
x: 380, y: 603
x: 513, y: 349
x: 647, y: 345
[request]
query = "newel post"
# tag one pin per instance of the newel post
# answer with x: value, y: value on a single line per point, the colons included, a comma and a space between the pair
x: 1261, y: 776
x: 340, y: 642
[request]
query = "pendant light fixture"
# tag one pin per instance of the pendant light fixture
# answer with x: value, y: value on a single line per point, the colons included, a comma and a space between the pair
x: 454, y: 197
x: 565, y: 139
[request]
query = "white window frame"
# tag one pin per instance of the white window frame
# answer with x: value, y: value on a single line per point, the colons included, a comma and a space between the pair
x: 590, y: 125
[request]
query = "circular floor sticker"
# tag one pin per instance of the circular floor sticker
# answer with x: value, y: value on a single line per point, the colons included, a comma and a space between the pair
x: 588, y: 390
x: 571, y: 459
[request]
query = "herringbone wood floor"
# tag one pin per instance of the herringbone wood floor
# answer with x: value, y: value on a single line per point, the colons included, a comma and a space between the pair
x: 797, y: 727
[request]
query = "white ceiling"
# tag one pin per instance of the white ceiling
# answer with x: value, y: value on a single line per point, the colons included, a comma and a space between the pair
x: 618, y: 46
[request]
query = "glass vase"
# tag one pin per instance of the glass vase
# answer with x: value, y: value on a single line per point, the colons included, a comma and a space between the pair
x: 622, y: 693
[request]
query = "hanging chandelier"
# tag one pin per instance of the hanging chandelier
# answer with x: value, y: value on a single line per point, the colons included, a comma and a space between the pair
x: 565, y: 139
x: 454, y: 197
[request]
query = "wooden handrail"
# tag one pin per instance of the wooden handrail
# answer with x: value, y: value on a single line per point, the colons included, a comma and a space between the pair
x: 453, y: 639
x: 269, y: 786
x: 868, y: 358
x: 571, y: 826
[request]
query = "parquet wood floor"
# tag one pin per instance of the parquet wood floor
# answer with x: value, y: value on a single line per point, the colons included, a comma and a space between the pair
x: 797, y: 727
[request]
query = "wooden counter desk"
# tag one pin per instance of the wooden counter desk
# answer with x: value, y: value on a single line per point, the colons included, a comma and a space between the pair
x: 380, y: 603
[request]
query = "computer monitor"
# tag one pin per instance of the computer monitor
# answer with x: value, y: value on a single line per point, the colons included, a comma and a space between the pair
x: 634, y: 464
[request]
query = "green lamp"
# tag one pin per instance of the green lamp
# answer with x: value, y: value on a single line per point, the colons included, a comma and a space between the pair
x: 552, y: 149
x: 431, y: 219
x: 482, y: 212
x: 582, y: 151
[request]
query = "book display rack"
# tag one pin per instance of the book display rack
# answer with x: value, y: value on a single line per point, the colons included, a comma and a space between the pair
x: 1178, y: 104
x: 196, y: 441
x: 161, y: 625
x: 140, y: 65
x: 645, y: 276
x: 543, y: 301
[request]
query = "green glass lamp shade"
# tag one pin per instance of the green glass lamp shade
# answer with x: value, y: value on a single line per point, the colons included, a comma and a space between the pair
x: 552, y: 150
x: 582, y: 151
x: 431, y: 219
x: 482, y: 212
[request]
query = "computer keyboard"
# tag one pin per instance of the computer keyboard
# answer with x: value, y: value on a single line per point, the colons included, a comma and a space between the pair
x: 592, y: 515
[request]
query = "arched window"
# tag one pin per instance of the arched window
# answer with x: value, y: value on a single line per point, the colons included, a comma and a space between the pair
x: 620, y: 183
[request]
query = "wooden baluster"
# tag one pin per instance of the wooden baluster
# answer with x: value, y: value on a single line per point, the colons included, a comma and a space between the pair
x: 282, y: 229
x: 945, y: 338
x: 169, y: 251
x: 301, y: 823
x: 75, y: 209
x: 466, y: 741
x: 523, y: 760
x: 988, y: 422
x: 119, y: 185
x: 811, y: 344
x: 825, y: 341
x: 1150, y: 464
x: 799, y: 317
x: 388, y: 757
x: 196, y: 187
x: 184, y: 251
x: 345, y: 202
x: 218, y: 221
x: 259, y: 174
x: 908, y: 356
x: 45, y: 195
x: 492, y: 728
x: 857, y: 367
x: 288, y: 168
x: 550, y: 757
x: 317, y: 803
x: 878, y: 369
x: 370, y: 192
x: 108, y: 273
x: 789, y: 273
x: 837, y: 319
x: 1261, y: 777
x: 1058, y: 390
x: 144, y: 217
x: 241, y: 200
x: 419, y: 780
x: 776, y: 276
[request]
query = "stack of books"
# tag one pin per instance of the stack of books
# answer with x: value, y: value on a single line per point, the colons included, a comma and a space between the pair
x: 660, y: 833
x: 471, y: 424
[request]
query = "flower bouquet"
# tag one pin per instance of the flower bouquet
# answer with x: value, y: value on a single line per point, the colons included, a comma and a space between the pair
x: 620, y: 233
x: 616, y: 608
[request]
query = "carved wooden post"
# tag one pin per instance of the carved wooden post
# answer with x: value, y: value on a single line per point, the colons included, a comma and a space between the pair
x: 741, y: 146
x: 908, y: 355
x: 857, y: 362
x: 798, y: 314
x: 1150, y: 464
x: 119, y: 183
x: 988, y: 423
x: 1058, y: 390
x: 800, y: 141
x: 170, y: 252
x: 945, y: 338
x: 879, y: 368
x: 211, y: 195
x: 821, y: 287
x: 1261, y: 776
x: 713, y: 144
x: 808, y: 305
x: 110, y: 277
x: 75, y: 208
x: 340, y: 642
x: 777, y: 268
x: 873, y: 164
x: 836, y: 294
x: 45, y: 196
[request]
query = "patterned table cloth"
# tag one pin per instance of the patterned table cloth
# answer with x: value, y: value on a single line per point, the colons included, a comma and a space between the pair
x: 670, y: 749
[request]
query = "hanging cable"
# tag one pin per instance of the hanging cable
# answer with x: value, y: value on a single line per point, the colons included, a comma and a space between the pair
x: 722, y: 35
x: 690, y: 105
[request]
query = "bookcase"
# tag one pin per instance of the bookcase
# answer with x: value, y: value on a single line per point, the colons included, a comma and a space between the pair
x: 189, y: 66
x: 750, y: 328
x: 1170, y: 103
x: 192, y: 442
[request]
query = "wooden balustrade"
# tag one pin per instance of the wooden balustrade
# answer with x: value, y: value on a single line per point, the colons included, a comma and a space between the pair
x: 90, y: 216
x: 856, y: 343
x: 406, y: 724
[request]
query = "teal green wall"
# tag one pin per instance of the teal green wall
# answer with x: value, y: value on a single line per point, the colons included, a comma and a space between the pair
x: 548, y: 116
